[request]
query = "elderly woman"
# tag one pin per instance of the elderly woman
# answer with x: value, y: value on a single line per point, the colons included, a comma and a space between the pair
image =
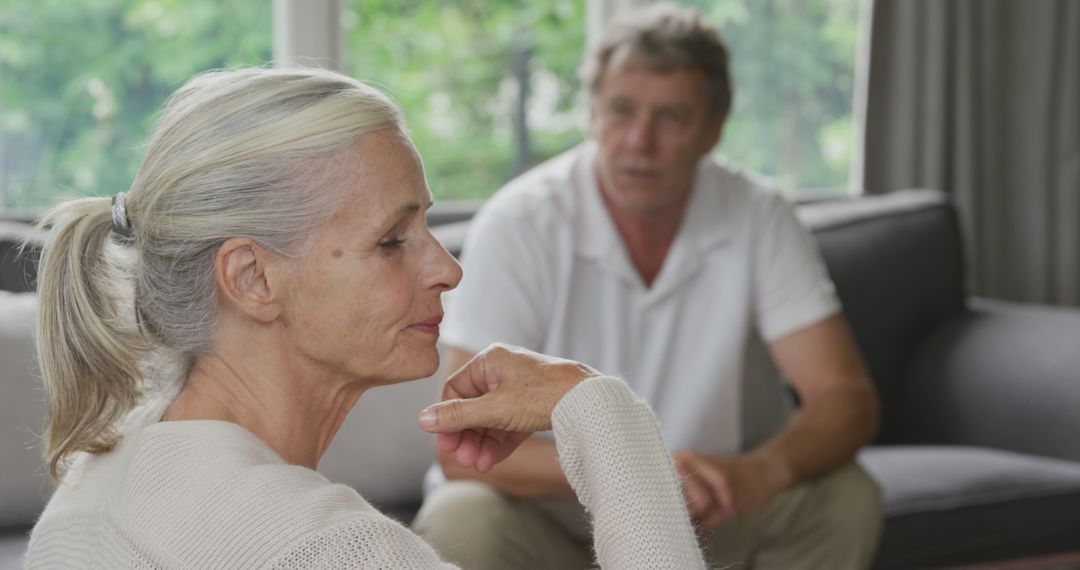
x: 203, y: 336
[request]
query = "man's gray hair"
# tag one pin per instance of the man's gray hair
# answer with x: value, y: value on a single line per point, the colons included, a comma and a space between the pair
x: 665, y: 37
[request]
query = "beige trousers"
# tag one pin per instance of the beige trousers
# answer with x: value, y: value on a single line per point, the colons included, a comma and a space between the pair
x: 832, y: 523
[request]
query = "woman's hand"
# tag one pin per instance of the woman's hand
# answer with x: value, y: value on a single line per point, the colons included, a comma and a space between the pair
x: 498, y: 399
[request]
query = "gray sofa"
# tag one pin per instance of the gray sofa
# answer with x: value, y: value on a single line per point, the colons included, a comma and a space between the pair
x: 979, y: 448
x: 978, y: 455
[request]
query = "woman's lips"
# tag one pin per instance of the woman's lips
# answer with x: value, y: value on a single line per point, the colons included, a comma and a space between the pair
x: 429, y: 326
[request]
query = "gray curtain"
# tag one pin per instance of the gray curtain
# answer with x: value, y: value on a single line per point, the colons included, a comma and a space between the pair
x: 981, y: 99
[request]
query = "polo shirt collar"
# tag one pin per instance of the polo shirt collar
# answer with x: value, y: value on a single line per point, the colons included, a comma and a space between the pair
x: 707, y: 224
x: 597, y: 236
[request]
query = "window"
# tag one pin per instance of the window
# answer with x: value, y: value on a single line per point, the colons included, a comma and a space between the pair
x: 793, y: 66
x: 80, y: 83
x: 459, y: 69
x: 489, y: 87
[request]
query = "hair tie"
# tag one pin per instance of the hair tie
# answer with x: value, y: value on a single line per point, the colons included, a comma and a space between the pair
x: 121, y: 224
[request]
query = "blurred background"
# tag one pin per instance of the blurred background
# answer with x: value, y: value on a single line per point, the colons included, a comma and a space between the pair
x: 489, y: 86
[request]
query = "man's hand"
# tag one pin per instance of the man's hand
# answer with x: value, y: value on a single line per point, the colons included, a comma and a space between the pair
x: 705, y: 490
x: 721, y: 489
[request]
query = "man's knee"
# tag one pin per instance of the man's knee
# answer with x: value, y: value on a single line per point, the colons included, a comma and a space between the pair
x: 475, y: 526
x: 836, y: 524
x: 464, y: 511
x: 857, y: 497
x: 850, y: 506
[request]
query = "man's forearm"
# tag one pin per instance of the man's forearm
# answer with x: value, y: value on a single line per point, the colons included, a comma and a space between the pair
x: 821, y: 436
x: 532, y: 472
x: 839, y: 406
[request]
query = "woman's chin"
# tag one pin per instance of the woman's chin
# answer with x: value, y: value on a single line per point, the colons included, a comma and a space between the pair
x: 406, y: 366
x: 423, y: 365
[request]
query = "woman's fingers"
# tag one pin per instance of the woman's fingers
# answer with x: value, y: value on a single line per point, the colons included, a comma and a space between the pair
x: 497, y: 445
x: 457, y: 415
x: 509, y: 411
x: 480, y: 449
x: 477, y: 377
x: 469, y: 449
x: 499, y: 397
x: 503, y: 387
x: 448, y: 442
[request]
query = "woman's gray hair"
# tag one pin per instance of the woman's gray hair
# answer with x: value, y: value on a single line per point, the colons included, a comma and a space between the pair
x: 255, y: 153
x: 665, y: 37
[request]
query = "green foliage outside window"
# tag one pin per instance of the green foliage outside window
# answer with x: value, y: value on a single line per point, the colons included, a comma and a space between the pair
x: 452, y: 64
x: 793, y: 65
x: 81, y: 81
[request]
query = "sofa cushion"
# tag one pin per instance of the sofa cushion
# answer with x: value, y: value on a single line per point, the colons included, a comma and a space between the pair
x: 24, y: 481
x: 959, y: 505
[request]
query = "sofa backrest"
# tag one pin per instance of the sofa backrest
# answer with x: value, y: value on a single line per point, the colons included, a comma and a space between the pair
x: 897, y: 263
x: 18, y: 273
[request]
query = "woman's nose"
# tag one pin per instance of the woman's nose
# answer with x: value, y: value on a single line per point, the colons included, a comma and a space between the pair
x: 444, y: 272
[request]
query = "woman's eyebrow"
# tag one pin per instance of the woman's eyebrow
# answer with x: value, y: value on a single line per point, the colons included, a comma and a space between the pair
x: 404, y: 211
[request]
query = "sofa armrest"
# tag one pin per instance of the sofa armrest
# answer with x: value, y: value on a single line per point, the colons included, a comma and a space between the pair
x: 1004, y: 376
x: 18, y: 269
x: 24, y: 480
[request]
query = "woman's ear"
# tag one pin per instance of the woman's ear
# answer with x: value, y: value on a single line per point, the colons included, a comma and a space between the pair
x: 247, y: 275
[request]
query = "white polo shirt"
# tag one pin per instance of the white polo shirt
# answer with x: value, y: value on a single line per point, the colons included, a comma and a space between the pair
x: 546, y: 269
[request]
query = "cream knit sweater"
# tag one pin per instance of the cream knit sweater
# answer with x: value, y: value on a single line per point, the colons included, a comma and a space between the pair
x: 209, y: 494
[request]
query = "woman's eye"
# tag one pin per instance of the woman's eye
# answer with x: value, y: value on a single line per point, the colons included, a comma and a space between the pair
x: 391, y: 243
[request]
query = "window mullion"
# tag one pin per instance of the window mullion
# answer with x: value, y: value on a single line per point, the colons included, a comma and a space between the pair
x: 308, y: 32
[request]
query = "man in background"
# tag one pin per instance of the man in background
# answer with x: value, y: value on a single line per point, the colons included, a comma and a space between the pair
x: 645, y: 256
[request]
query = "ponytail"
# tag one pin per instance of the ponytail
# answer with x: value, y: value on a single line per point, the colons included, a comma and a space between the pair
x: 89, y: 357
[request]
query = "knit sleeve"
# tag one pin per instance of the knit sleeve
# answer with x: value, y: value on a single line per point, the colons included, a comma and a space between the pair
x: 374, y: 541
x: 611, y: 451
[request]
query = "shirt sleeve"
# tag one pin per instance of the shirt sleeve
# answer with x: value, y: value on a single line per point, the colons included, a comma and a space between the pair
x: 507, y: 286
x: 610, y: 449
x: 792, y: 286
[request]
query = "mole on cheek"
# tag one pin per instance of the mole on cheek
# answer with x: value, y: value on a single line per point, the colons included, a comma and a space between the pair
x: 337, y: 254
